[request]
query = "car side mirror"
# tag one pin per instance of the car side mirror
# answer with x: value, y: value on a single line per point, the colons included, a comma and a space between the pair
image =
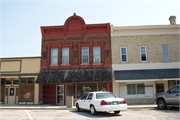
x: 168, y: 91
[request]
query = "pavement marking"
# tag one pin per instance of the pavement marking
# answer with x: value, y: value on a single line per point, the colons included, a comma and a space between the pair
x: 28, y: 114
x: 139, y: 115
x: 81, y: 115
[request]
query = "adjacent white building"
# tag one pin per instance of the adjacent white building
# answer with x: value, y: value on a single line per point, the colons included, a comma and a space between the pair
x: 145, y: 60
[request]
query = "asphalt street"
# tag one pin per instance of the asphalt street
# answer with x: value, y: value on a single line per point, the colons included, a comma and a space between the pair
x: 135, y: 114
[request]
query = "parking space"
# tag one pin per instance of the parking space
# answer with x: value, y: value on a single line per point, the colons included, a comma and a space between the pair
x: 43, y: 114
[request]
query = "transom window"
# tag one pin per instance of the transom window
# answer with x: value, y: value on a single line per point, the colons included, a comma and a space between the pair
x: 65, y: 55
x: 165, y: 53
x: 123, y: 52
x: 27, y: 80
x: 54, y: 56
x: 96, y: 54
x: 85, y: 54
x: 143, y: 54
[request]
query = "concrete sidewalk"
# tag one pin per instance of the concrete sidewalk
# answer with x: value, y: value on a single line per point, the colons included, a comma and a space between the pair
x: 63, y: 107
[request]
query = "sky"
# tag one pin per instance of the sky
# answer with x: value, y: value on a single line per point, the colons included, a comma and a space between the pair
x: 20, y: 20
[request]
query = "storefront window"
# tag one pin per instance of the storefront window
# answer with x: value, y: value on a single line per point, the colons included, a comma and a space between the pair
x: 78, y: 90
x: 26, y: 89
x: 140, y: 89
x: 131, y: 88
x: 84, y: 88
x: 135, y: 89
x: 102, y: 86
x: 26, y: 92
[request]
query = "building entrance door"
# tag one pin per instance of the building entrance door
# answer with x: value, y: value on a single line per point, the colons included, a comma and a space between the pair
x: 11, y: 95
x: 159, y: 87
x: 60, y: 94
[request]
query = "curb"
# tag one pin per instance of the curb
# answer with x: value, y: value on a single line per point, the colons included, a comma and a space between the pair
x: 73, y: 108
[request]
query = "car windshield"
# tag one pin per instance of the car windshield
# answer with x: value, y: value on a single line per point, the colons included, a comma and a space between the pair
x: 104, y: 95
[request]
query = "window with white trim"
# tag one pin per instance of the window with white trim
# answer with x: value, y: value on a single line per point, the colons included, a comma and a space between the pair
x: 143, y: 54
x: 96, y: 55
x: 165, y: 53
x: 65, y: 55
x: 85, y: 54
x: 54, y: 56
x: 123, y: 52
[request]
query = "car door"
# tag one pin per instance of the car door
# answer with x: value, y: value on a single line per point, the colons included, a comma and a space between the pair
x: 82, y: 101
x: 172, y: 97
x: 88, y: 101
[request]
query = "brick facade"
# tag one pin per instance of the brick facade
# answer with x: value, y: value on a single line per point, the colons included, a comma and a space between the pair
x: 94, y: 74
x: 153, y: 45
x: 74, y: 35
x: 152, y: 37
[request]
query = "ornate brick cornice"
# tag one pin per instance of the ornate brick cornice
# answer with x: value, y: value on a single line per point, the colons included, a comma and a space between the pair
x: 75, y: 25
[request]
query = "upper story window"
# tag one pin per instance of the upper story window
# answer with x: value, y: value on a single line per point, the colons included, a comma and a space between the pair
x: 143, y: 54
x: 123, y: 52
x: 96, y: 54
x: 65, y: 55
x: 85, y: 54
x: 54, y: 56
x: 165, y: 53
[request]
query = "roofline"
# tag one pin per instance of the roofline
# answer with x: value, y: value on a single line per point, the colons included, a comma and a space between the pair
x: 145, y: 27
x: 21, y: 57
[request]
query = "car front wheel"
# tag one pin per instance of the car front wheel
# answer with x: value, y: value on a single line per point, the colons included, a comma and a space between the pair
x: 93, y: 110
x: 116, y: 112
x: 77, y: 107
x: 162, y: 104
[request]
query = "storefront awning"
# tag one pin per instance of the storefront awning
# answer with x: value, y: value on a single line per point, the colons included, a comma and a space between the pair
x: 147, y: 75
x: 75, y: 75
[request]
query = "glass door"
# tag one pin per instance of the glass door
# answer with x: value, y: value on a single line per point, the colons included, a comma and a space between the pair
x: 60, y: 94
x: 159, y: 88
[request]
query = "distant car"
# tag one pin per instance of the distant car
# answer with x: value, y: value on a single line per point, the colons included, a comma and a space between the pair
x: 101, y: 102
x: 170, y: 98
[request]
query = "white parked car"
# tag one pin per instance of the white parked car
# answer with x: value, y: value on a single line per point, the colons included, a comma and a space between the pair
x: 101, y: 102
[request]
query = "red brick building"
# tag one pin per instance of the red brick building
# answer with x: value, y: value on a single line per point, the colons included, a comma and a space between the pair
x: 76, y: 58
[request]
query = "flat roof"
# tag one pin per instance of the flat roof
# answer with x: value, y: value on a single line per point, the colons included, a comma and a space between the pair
x: 21, y: 57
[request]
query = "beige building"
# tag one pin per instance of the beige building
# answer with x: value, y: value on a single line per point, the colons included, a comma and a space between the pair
x: 18, y: 77
x: 145, y: 60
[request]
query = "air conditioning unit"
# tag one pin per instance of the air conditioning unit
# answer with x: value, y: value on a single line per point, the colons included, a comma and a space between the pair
x: 96, y: 60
